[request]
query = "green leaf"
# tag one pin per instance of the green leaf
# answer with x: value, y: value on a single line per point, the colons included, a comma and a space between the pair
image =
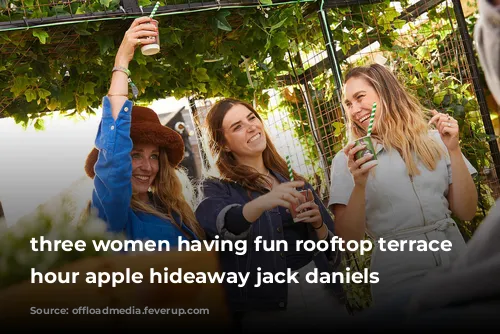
x: 140, y: 58
x: 277, y: 25
x: 30, y: 95
x: 202, y: 88
x: 398, y: 23
x: 42, y: 93
x: 39, y: 124
x: 21, y: 83
x: 89, y: 88
x: 423, y: 52
x: 41, y: 35
x: 201, y: 74
x: 81, y: 103
x: 53, y: 104
x: 105, y: 3
x: 438, y: 98
x: 280, y: 39
x: 105, y: 43
x: 221, y: 22
x: 82, y: 31
x: 175, y: 38
x: 80, y: 10
x: 338, y: 128
x: 266, y: 2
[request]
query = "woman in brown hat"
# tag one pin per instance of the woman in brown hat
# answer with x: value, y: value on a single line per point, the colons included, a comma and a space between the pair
x: 136, y: 189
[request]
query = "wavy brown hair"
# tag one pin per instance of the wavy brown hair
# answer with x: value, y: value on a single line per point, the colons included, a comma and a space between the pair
x: 226, y: 163
x: 168, y: 197
x: 402, y: 123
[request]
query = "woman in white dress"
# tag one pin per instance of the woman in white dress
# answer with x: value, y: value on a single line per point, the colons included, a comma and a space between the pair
x: 419, y: 179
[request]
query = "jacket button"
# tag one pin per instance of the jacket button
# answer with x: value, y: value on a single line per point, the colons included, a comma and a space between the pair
x: 125, y: 109
x: 282, y: 304
x: 278, y: 229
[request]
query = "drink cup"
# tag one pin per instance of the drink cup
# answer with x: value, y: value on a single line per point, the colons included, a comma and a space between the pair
x: 368, y: 149
x: 307, y: 193
x: 153, y: 48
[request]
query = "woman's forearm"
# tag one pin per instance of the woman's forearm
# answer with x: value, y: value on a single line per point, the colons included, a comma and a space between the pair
x: 118, y: 90
x: 253, y: 210
x: 463, y: 193
x: 350, y: 223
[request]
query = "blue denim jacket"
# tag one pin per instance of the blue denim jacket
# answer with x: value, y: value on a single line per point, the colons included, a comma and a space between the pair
x: 220, y: 196
x: 113, y: 186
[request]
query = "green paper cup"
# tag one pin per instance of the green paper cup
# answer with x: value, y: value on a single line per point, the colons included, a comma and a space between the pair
x: 369, y: 148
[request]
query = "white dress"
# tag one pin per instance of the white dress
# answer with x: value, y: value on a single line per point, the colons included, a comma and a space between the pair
x: 398, y: 207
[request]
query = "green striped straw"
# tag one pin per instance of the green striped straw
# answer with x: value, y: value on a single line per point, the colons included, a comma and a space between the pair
x: 154, y: 9
x: 289, y: 164
x: 372, y: 118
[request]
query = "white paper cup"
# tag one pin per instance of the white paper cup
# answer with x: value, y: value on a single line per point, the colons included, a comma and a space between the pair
x: 153, y: 48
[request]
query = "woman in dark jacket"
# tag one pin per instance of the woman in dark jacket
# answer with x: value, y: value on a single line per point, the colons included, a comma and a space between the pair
x: 253, y: 197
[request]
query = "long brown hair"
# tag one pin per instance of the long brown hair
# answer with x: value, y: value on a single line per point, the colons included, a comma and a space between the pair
x: 168, y: 197
x: 226, y: 163
x: 402, y: 122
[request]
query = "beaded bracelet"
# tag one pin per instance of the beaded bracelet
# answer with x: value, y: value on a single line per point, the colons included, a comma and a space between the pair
x: 135, y: 91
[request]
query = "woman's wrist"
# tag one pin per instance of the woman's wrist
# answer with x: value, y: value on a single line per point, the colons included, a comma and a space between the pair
x: 122, y: 62
x: 317, y: 226
x: 252, y: 210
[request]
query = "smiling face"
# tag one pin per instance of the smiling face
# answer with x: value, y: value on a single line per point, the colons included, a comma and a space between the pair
x: 145, y: 165
x: 243, y: 133
x: 359, y: 98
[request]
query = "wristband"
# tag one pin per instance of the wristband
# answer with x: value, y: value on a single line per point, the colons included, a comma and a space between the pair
x: 122, y: 69
x: 320, y: 226
x: 125, y: 70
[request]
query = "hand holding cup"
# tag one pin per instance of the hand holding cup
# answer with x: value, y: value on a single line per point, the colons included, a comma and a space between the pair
x: 285, y: 195
x: 138, y: 34
x: 359, y: 168
x: 307, y: 211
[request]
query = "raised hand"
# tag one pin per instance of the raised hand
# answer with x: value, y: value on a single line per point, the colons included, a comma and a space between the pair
x: 309, y: 213
x: 448, y: 129
x: 136, y: 35
x: 358, y: 170
x: 285, y: 194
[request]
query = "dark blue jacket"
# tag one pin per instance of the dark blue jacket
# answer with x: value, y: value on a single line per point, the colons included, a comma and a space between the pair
x: 220, y: 196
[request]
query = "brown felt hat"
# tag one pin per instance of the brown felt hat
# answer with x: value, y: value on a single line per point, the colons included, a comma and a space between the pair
x: 146, y: 128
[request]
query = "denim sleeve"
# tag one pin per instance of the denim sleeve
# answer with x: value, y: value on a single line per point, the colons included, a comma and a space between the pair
x: 113, y: 170
x: 212, y: 211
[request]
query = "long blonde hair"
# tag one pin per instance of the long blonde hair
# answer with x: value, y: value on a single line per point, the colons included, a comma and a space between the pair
x: 401, y: 124
x: 167, y: 191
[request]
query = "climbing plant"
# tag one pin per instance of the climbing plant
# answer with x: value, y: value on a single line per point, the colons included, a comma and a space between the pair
x: 235, y: 53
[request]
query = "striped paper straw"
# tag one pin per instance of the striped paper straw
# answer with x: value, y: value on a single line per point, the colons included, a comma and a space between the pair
x: 154, y: 9
x: 290, y: 171
x: 372, y: 118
